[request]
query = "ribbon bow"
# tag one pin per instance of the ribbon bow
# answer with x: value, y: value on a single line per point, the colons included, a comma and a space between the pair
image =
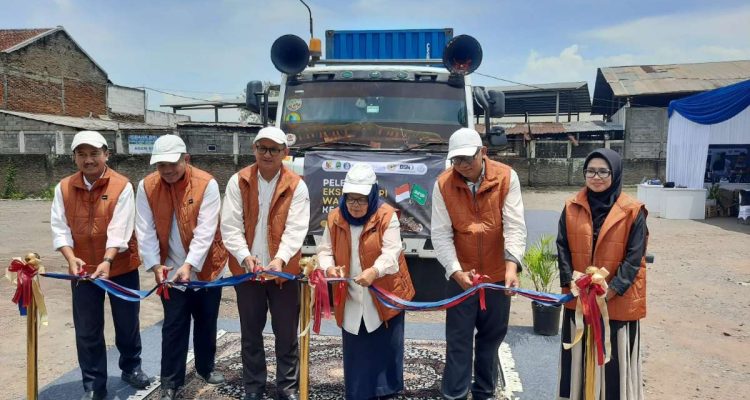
x: 591, y: 312
x: 27, y: 286
x: 163, y: 289
x: 476, y: 280
x: 322, y: 306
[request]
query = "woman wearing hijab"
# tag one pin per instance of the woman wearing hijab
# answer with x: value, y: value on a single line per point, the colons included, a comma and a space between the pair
x: 605, y: 228
x: 362, y: 240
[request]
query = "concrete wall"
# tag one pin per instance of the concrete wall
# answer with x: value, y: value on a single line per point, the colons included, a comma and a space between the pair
x: 164, y: 118
x: 52, y: 76
x: 38, y: 137
x: 126, y: 104
x: 198, y: 137
x: 42, y: 138
x: 645, y: 131
x: 37, y: 172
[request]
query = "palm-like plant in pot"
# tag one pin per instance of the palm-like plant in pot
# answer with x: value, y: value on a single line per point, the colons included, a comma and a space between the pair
x: 541, y: 267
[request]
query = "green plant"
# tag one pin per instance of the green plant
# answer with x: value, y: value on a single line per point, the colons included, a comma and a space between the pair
x: 48, y: 193
x: 713, y: 192
x: 11, y: 189
x: 541, y: 264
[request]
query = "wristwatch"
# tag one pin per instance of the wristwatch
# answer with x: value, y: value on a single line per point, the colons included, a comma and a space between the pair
x: 107, y: 259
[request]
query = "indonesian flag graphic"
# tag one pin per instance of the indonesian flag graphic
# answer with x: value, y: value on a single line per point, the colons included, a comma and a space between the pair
x: 402, y: 192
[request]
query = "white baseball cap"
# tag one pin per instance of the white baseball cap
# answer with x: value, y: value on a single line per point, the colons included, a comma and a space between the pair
x: 92, y: 138
x: 464, y: 142
x: 272, y: 133
x: 359, y: 179
x: 168, y: 148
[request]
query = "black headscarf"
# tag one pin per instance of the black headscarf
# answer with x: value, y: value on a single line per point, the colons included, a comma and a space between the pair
x: 373, y: 203
x: 602, y: 202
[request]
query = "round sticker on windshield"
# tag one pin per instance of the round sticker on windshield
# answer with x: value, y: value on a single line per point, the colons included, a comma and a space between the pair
x: 291, y: 139
x: 293, y: 104
x: 293, y: 118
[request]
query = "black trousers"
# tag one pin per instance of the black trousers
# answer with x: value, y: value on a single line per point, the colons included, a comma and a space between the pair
x: 203, y: 307
x: 254, y: 300
x: 88, y: 318
x: 491, y: 326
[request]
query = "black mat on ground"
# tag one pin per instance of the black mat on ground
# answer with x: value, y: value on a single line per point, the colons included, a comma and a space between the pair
x: 423, y: 368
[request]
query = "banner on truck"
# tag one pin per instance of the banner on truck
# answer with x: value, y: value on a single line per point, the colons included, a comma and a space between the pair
x: 406, y: 181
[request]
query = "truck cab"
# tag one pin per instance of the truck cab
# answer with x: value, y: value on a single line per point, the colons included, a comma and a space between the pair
x: 394, y: 114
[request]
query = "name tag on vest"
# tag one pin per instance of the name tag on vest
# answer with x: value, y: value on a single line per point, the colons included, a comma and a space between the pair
x: 104, y: 197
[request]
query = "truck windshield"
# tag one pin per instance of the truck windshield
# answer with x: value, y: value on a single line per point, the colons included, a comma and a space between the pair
x: 387, y: 115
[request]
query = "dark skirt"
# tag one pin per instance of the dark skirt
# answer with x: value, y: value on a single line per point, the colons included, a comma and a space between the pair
x: 619, y: 379
x: 374, y: 362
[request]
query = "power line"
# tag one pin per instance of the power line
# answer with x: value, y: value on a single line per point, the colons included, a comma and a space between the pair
x: 181, y: 96
x: 510, y: 81
x: 187, y: 91
x: 542, y: 88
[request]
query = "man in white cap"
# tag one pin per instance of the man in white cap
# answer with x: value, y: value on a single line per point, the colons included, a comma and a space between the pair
x: 264, y: 221
x: 92, y: 222
x: 478, y: 229
x: 177, y: 225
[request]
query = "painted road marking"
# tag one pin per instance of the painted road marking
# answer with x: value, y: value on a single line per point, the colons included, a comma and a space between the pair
x: 156, y: 384
x: 512, y: 386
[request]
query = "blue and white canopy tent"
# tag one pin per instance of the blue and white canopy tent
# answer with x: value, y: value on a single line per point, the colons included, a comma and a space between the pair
x: 720, y: 116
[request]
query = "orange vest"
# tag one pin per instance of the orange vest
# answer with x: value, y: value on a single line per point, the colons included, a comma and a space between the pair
x: 89, y: 213
x: 278, y: 212
x: 478, y: 220
x: 370, y: 246
x: 183, y: 199
x: 610, y: 251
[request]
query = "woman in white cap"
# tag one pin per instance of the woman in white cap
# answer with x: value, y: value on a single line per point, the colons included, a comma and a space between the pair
x: 362, y: 240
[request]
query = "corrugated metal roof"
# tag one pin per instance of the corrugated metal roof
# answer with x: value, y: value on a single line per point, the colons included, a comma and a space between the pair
x: 554, y: 128
x: 674, y: 79
x: 516, y: 129
x: 86, y: 123
x: 591, y: 126
x: 221, y: 124
x: 546, y: 128
x: 10, y: 38
x: 541, y: 86
x: 541, y: 99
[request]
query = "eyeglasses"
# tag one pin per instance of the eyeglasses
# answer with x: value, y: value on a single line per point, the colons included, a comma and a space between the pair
x: 360, y: 201
x: 602, y: 173
x: 274, y: 151
x: 460, y: 160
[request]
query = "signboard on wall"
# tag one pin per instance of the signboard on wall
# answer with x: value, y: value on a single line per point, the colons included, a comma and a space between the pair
x: 141, y: 144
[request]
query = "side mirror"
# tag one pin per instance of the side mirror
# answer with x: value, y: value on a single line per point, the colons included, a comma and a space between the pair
x: 496, y: 103
x: 497, y: 136
x: 253, y: 90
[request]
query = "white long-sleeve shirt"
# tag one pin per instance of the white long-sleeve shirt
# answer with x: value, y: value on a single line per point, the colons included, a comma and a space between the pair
x: 119, y: 230
x: 359, y: 304
x: 203, y: 234
x: 233, y: 227
x: 514, y: 226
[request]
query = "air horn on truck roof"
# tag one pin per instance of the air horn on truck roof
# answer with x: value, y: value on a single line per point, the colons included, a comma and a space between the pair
x: 290, y: 54
x: 461, y: 56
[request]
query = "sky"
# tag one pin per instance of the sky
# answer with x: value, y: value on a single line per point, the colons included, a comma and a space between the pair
x: 211, y: 49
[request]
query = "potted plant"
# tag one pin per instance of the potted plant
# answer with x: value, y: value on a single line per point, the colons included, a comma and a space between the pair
x: 712, y: 195
x: 541, y: 267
